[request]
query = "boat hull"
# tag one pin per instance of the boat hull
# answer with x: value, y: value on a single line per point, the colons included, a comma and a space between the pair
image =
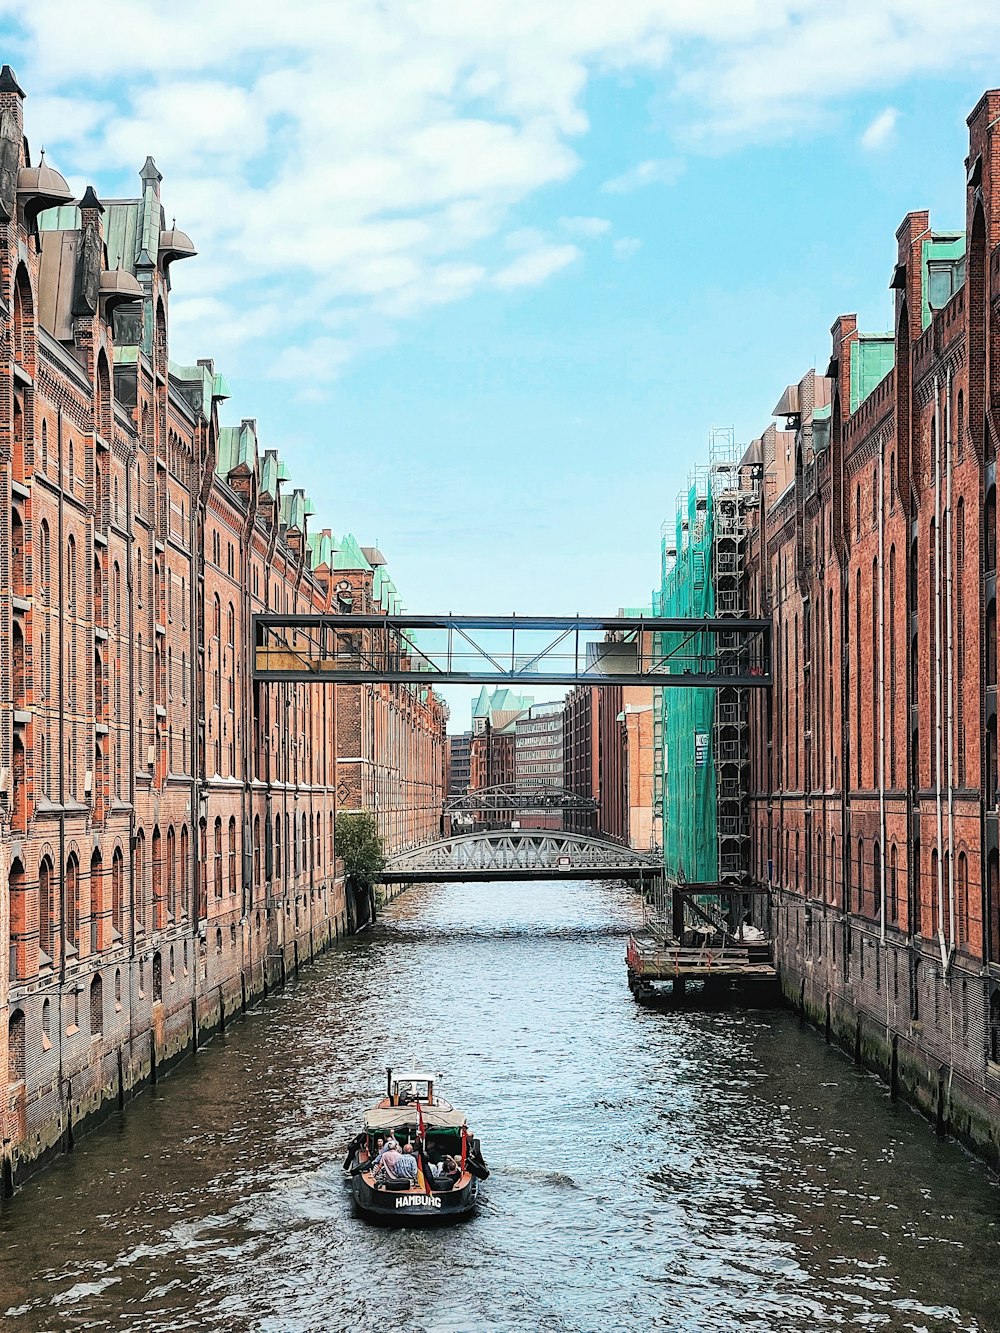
x: 413, y: 1208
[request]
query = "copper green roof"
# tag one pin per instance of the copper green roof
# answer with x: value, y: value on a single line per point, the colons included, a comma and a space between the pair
x: 269, y: 474
x: 122, y: 233
x: 872, y: 357
x: 293, y: 510
x: 349, y: 555
x: 481, y: 708
x: 942, y: 270
x: 237, y: 448
x: 322, y: 548
x: 64, y: 218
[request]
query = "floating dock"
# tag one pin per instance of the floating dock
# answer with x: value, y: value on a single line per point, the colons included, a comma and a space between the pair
x: 663, y: 969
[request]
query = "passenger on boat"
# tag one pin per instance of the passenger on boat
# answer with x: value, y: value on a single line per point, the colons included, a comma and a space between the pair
x: 385, y: 1146
x: 396, y: 1165
x: 445, y: 1173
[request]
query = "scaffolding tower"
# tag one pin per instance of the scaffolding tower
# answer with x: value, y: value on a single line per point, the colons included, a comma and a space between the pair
x: 701, y: 737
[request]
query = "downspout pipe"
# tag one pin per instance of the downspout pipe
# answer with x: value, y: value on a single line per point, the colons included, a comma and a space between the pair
x: 938, y: 676
x: 881, y: 694
x: 949, y: 577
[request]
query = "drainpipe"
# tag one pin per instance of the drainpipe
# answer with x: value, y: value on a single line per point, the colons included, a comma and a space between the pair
x: 62, y: 753
x: 881, y: 695
x: 938, y: 727
x: 62, y: 720
x: 951, y: 660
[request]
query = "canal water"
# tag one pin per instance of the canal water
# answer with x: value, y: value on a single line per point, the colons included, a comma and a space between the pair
x: 692, y: 1171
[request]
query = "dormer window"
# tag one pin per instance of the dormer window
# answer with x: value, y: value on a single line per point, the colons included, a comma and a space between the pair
x: 944, y: 278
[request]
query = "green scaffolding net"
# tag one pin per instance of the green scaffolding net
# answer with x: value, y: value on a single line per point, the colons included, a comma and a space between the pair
x: 688, y: 786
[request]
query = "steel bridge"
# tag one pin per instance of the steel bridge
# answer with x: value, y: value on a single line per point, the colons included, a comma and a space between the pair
x: 520, y: 854
x: 508, y: 797
x: 684, y: 652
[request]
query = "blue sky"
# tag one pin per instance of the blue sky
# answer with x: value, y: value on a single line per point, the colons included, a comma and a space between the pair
x: 488, y: 275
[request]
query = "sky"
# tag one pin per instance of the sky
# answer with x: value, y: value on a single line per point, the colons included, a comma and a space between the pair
x: 487, y: 274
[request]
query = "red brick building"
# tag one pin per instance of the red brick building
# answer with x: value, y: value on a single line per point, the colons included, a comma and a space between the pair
x: 875, y: 805
x: 166, y: 827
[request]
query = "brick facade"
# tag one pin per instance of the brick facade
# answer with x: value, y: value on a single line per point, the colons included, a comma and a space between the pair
x: 875, y: 806
x: 166, y: 827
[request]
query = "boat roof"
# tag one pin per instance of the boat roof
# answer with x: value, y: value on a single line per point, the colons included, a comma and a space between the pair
x: 439, y: 1116
x: 413, y: 1076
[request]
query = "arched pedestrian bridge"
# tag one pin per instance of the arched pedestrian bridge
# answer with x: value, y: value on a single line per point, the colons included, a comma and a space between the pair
x: 520, y: 854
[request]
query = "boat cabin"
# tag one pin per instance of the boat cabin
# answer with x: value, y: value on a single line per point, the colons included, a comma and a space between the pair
x: 407, y: 1087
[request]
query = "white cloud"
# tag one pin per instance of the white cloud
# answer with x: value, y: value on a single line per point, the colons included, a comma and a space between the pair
x: 588, y: 227
x: 343, y: 166
x: 534, y: 266
x: 881, y: 132
x: 626, y: 246
x: 666, y: 171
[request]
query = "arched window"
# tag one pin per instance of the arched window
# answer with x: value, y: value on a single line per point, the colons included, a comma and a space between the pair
x: 217, y: 618
x: 857, y: 512
x: 877, y: 880
x: 962, y: 894
x: 45, y: 562
x: 73, y: 900
x: 72, y: 467
x: 218, y: 857
x: 232, y: 855
x: 16, y: 1048
x: 159, y: 914
x: 45, y: 446
x: 277, y: 846
x: 45, y: 908
x: 140, y: 877
x: 184, y: 872
x: 256, y: 853
x: 893, y: 886
x: 17, y: 554
x: 118, y: 894
x: 960, y: 426
x: 18, y: 921
x: 71, y: 574
x: 96, y: 900
x: 173, y: 907
x: 96, y: 1006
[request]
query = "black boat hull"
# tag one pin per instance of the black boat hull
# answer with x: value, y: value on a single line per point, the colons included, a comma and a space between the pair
x: 411, y: 1208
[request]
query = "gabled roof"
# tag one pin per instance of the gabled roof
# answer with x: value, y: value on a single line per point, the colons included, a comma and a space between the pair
x: 322, y: 548
x: 237, y: 448
x: 873, y: 355
x: 349, y: 555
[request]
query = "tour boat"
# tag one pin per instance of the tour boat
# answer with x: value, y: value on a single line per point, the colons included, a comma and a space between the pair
x: 411, y: 1112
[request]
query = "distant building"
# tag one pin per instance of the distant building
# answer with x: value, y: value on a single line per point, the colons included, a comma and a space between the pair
x: 459, y: 760
x: 625, y: 764
x: 581, y: 754
x: 538, y: 758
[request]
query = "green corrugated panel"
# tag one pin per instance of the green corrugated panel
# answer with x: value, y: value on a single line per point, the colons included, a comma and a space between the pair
x: 873, y: 355
x: 690, y: 842
x: 64, y: 218
x: 225, y: 454
x: 946, y: 248
x: 126, y: 356
x: 121, y: 224
x: 220, y: 389
x: 269, y: 474
x: 321, y: 545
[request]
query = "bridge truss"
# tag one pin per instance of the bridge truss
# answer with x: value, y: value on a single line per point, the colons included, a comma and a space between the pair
x: 520, y: 854
x: 511, y: 797
x: 712, y: 651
